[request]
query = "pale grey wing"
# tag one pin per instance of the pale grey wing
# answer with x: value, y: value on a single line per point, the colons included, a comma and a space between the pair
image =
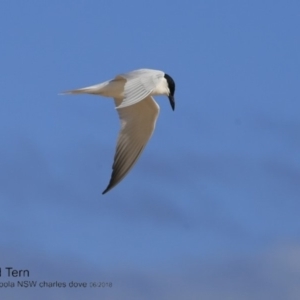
x: 137, y: 125
x: 141, y: 72
x: 139, y: 85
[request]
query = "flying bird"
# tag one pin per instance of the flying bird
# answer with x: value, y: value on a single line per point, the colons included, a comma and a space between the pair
x: 138, y: 112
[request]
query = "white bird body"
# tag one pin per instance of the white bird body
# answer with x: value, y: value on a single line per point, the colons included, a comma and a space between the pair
x: 137, y: 110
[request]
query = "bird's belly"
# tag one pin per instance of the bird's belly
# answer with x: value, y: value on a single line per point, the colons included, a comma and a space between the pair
x: 114, y: 89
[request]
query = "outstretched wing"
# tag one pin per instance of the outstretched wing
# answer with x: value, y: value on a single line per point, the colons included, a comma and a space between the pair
x: 137, y: 125
x: 139, y: 85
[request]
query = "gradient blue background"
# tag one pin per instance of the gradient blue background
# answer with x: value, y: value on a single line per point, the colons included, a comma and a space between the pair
x: 211, y: 210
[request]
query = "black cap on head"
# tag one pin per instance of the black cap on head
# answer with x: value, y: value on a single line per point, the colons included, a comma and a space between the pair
x: 171, y: 84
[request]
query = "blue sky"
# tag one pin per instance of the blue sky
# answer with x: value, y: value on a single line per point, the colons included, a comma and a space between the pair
x: 211, y: 209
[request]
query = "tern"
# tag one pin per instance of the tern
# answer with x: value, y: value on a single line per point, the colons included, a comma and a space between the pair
x: 138, y: 112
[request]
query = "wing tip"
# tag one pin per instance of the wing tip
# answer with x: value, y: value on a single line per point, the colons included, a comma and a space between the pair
x: 108, y: 188
x: 105, y: 191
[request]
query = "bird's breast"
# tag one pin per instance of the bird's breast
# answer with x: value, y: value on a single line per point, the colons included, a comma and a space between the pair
x: 161, y: 88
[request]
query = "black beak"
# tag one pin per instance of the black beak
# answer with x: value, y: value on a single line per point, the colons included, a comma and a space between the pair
x: 172, y: 101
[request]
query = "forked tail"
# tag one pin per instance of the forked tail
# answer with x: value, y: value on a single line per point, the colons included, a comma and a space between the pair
x: 94, y: 89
